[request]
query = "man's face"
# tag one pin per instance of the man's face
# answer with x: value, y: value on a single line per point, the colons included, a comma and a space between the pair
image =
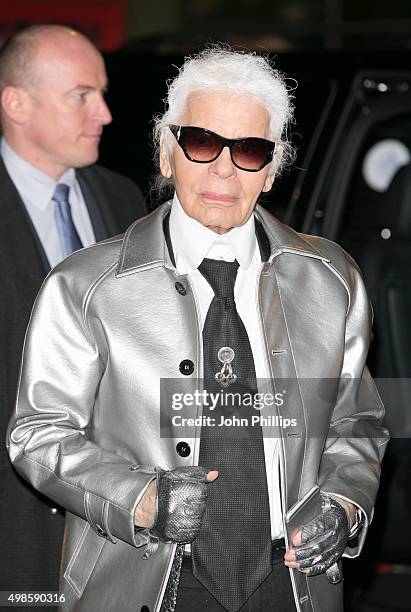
x: 66, y: 110
x: 218, y: 194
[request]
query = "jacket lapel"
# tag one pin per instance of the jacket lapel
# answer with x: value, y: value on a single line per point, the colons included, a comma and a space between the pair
x: 144, y: 244
x: 19, y: 242
x: 97, y: 203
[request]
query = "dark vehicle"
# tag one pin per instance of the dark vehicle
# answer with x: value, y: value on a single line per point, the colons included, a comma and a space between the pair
x: 351, y: 183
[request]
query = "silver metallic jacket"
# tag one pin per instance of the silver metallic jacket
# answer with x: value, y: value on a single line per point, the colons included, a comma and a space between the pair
x: 108, y: 324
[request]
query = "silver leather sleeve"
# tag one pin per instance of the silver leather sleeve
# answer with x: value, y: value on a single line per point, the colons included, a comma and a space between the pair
x: 49, y: 440
x: 356, y: 441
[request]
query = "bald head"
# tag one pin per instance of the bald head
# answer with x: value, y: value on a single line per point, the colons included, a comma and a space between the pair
x: 19, y: 65
x: 52, y: 84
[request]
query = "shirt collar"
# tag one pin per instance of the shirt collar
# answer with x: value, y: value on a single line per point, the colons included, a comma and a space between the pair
x: 192, y: 241
x: 33, y: 185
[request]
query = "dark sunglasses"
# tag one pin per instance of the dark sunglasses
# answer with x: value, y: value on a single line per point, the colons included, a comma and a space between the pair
x: 202, y: 146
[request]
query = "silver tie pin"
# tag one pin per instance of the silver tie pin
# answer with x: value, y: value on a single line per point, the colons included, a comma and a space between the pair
x: 226, y: 375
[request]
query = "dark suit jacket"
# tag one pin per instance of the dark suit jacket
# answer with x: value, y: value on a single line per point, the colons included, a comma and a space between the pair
x: 31, y: 528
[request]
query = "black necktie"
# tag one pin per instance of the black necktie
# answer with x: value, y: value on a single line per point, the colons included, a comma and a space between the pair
x: 232, y: 553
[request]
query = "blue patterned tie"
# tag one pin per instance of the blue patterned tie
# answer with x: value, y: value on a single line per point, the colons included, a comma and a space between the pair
x: 69, y: 238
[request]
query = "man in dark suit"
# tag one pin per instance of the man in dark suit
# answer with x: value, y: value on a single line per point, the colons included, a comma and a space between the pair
x: 53, y: 200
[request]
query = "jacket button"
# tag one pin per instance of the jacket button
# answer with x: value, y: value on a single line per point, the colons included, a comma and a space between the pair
x: 101, y: 531
x: 186, y: 367
x: 145, y: 609
x: 180, y: 288
x: 183, y: 449
x: 53, y: 510
x: 133, y: 468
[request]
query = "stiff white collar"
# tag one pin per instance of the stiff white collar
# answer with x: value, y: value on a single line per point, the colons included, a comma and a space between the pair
x: 33, y: 185
x: 193, y: 241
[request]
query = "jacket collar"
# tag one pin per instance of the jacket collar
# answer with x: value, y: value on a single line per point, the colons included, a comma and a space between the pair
x: 283, y: 239
x: 144, y: 244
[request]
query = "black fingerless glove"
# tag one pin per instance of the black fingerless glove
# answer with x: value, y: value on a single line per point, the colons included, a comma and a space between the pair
x: 181, y: 501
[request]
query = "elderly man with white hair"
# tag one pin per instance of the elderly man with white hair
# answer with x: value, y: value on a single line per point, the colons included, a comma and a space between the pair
x: 218, y: 501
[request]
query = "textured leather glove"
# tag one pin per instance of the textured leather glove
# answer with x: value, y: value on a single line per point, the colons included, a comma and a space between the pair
x: 181, y: 501
x: 324, y: 538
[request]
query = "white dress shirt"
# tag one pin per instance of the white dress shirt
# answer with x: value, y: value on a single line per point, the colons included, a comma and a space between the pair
x: 191, y: 242
x: 36, y: 190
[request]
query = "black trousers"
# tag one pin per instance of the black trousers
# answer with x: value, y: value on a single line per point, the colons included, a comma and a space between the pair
x: 274, y: 594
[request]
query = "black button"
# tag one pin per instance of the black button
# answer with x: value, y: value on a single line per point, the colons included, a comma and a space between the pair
x: 145, y: 609
x: 186, y: 367
x: 183, y: 449
x: 180, y: 288
x: 101, y: 531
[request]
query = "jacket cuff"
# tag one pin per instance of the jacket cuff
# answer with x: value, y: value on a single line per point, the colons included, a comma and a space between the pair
x: 358, y: 531
x: 110, y: 520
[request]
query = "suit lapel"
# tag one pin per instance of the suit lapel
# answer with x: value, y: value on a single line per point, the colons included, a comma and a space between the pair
x: 97, y: 203
x: 19, y: 243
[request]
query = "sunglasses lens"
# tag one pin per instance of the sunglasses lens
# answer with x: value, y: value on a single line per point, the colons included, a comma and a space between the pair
x: 199, y: 145
x: 252, y: 153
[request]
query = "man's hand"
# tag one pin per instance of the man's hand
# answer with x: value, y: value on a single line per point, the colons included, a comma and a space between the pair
x: 350, y: 509
x: 321, y: 542
x: 174, y: 503
x: 146, y: 509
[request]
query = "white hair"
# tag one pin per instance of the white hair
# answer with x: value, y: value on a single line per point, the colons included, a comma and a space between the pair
x: 220, y: 69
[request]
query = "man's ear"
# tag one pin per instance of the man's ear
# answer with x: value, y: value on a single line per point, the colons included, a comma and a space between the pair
x: 14, y: 103
x: 165, y: 165
x: 269, y: 182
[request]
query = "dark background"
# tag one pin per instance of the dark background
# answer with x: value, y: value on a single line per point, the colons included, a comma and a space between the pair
x: 171, y: 25
x: 352, y: 62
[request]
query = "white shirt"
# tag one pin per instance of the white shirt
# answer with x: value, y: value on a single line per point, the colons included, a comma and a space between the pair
x: 36, y: 190
x: 191, y: 242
